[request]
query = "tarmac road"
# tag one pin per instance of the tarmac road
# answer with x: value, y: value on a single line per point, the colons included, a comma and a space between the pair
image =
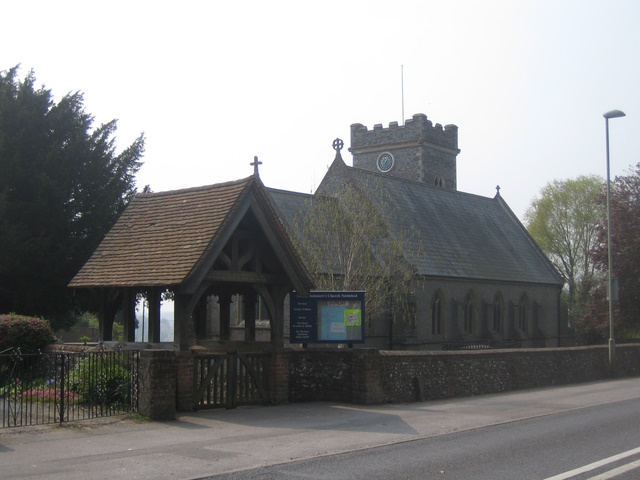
x: 535, y: 448
x: 209, y: 443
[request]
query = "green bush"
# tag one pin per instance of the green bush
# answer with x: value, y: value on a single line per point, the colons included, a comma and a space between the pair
x: 30, y: 334
x: 102, y: 381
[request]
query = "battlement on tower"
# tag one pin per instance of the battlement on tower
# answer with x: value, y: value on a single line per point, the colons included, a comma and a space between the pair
x: 417, y: 150
x: 418, y: 128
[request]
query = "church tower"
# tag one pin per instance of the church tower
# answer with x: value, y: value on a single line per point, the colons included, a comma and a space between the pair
x: 416, y: 150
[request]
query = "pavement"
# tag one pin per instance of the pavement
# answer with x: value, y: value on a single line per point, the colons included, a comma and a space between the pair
x: 206, y: 443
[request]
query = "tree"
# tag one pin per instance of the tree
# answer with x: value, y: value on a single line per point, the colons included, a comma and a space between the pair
x: 625, y: 253
x: 564, y: 222
x: 346, y: 243
x: 62, y: 186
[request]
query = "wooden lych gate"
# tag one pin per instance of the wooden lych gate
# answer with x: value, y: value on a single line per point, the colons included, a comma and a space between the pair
x: 226, y: 380
x: 216, y: 241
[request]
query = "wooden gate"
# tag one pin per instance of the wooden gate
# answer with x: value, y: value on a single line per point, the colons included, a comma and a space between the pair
x: 230, y: 379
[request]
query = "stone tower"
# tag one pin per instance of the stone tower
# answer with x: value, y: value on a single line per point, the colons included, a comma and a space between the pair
x: 416, y: 150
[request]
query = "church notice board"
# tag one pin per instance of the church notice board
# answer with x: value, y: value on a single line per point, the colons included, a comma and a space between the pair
x: 327, y: 317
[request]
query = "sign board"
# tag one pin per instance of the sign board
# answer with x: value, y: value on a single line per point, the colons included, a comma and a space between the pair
x: 327, y: 317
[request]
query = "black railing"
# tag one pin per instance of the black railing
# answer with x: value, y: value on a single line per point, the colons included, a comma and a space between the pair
x: 481, y: 345
x: 61, y: 387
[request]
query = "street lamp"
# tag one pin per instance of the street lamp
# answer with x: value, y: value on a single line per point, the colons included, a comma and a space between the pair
x: 612, y: 342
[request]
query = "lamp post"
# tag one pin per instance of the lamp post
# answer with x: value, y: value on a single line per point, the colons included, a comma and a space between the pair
x: 612, y: 342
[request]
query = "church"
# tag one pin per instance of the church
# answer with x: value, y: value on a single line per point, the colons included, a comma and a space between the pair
x: 228, y: 254
x: 478, y: 278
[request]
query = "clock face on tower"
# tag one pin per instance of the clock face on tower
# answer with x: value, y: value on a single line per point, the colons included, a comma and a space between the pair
x: 385, y: 162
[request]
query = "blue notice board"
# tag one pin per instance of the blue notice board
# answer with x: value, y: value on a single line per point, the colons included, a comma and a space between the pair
x: 327, y: 317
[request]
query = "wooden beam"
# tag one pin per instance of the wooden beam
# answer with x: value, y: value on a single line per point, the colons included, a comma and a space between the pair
x: 220, y: 276
x: 249, y: 316
x: 109, y: 299
x: 153, y: 296
x: 224, y: 300
x: 129, y: 314
x: 183, y: 329
x: 274, y: 298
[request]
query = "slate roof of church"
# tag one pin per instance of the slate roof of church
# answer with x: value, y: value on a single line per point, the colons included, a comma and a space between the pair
x: 292, y: 205
x: 161, y: 238
x: 453, y: 234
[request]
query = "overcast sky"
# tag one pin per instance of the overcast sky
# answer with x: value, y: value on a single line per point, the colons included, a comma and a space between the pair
x: 211, y: 84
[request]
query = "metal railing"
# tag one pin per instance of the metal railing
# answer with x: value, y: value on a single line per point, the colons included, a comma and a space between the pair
x: 481, y: 345
x: 60, y: 387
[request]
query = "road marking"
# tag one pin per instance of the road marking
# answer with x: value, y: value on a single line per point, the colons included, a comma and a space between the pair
x: 593, y: 466
x: 617, y: 471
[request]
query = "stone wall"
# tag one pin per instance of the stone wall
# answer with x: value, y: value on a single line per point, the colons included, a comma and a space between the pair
x: 370, y: 376
x: 321, y: 375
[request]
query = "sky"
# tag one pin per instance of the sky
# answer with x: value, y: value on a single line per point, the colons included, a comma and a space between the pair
x: 213, y: 84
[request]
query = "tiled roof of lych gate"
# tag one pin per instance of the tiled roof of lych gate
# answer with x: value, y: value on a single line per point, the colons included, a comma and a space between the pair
x: 161, y: 237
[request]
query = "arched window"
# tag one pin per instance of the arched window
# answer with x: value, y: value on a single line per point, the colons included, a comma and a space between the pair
x: 469, y: 314
x: 438, y: 181
x: 437, y: 314
x: 498, y: 313
x: 523, y: 313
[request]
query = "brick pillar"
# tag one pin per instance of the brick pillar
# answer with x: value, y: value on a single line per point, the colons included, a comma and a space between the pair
x: 157, y: 374
x: 367, y: 377
x: 184, y: 384
x: 279, y: 376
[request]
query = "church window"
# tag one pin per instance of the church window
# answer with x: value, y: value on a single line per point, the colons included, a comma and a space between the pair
x: 523, y: 314
x: 437, y: 314
x: 438, y: 181
x: 498, y: 313
x: 411, y: 314
x: 469, y: 314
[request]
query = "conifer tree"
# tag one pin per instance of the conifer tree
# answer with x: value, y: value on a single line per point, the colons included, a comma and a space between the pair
x: 62, y: 187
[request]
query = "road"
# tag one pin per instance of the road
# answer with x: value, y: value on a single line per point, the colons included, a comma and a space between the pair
x: 516, y: 435
x: 550, y: 446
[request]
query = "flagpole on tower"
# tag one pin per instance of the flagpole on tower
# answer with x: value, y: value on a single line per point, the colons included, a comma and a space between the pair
x: 402, y: 83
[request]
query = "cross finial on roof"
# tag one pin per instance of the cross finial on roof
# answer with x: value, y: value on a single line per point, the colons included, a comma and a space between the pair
x: 497, y: 190
x: 255, y: 166
x: 337, y: 146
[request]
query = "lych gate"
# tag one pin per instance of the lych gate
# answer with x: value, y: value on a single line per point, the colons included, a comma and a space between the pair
x: 230, y: 379
x: 221, y: 240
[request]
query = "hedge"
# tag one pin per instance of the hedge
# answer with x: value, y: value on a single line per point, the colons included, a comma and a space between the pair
x: 30, y: 334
